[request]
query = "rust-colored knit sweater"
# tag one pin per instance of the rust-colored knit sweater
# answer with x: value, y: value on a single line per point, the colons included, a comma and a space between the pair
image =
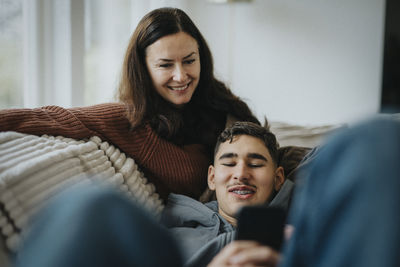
x: 170, y: 167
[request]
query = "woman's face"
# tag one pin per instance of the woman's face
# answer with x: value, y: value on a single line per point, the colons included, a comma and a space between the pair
x: 173, y: 62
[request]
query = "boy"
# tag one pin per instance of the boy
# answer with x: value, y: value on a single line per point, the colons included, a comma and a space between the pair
x: 245, y: 172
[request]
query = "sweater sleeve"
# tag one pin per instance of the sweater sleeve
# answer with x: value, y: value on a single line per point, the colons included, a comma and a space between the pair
x: 101, y: 120
x: 76, y: 123
x: 107, y: 121
x: 170, y: 167
x: 52, y: 120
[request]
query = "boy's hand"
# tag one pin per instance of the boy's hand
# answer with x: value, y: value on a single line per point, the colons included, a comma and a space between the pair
x: 246, y: 253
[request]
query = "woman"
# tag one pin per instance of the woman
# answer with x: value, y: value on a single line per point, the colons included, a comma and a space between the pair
x: 172, y: 107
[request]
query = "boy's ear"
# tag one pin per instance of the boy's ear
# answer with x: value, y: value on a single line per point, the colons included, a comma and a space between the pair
x: 279, y: 178
x: 210, y: 177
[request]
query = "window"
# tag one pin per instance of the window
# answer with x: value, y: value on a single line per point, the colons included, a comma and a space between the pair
x: 107, y: 32
x: 11, y: 67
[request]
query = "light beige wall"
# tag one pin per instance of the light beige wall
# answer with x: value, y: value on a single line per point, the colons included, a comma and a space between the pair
x: 305, y: 61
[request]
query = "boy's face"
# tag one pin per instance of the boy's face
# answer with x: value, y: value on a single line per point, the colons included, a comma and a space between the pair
x: 243, y: 174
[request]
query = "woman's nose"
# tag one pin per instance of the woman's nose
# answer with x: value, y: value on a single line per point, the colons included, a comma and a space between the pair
x: 179, y: 73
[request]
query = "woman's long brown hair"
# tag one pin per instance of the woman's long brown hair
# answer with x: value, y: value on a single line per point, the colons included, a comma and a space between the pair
x: 204, y: 117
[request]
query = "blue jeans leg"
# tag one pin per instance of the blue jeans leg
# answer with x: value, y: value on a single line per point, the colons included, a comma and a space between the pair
x: 94, y: 226
x: 346, y: 210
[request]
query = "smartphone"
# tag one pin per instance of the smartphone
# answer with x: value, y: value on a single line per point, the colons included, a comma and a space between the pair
x: 263, y: 224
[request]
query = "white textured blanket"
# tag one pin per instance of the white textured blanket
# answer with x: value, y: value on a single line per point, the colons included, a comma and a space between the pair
x: 33, y: 169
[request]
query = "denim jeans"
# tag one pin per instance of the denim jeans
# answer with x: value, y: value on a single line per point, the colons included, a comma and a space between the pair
x: 346, y: 208
x: 94, y: 226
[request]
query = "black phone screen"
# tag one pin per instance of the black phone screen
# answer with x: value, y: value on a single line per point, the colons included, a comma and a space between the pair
x: 263, y: 224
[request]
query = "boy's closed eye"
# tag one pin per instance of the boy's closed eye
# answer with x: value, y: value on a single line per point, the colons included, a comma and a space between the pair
x: 229, y: 163
x: 252, y: 164
x: 256, y: 164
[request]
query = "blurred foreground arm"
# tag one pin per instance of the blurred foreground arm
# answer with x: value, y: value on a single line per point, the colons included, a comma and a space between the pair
x: 246, y: 253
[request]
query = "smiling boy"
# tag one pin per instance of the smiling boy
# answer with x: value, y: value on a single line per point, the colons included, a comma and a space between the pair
x: 245, y: 172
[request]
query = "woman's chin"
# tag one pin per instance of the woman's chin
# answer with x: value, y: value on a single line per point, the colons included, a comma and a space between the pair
x: 179, y: 103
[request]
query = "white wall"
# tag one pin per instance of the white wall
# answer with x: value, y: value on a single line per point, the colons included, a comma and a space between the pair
x: 308, y: 62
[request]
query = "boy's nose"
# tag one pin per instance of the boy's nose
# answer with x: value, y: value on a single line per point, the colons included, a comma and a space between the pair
x: 241, y: 172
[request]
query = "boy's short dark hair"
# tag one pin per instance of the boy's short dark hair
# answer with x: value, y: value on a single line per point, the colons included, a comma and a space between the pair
x: 248, y: 128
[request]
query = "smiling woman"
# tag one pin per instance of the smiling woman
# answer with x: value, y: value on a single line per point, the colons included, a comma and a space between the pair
x: 174, y: 66
x: 168, y: 81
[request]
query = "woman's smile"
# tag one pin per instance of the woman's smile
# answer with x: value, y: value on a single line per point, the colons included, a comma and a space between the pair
x: 179, y: 87
x: 173, y: 62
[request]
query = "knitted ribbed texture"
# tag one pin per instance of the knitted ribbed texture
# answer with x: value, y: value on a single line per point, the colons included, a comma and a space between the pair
x: 170, y: 167
x: 33, y: 169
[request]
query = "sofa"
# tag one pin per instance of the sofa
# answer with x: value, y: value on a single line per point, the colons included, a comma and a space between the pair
x: 33, y: 169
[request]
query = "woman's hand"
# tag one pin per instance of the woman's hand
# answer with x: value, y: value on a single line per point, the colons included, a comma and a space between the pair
x: 246, y: 253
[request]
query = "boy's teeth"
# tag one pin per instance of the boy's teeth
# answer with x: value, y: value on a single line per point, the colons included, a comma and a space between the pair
x: 242, y: 192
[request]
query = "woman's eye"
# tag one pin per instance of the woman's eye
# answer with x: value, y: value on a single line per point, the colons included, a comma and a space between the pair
x: 190, y: 61
x: 167, y: 65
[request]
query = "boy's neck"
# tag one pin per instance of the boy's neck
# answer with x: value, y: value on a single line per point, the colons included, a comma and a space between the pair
x: 230, y: 219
